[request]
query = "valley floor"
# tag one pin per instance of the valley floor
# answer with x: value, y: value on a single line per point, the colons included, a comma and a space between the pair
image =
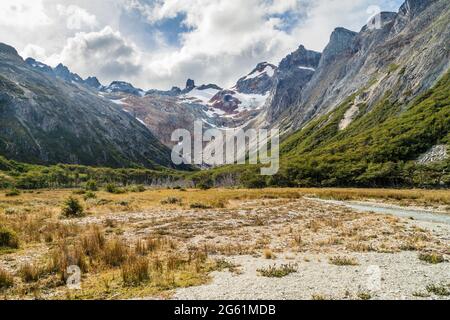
x: 227, y: 244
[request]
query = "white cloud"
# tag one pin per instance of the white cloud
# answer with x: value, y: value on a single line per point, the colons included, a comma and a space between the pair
x: 34, y: 51
x: 23, y: 13
x: 77, y: 18
x: 104, y: 53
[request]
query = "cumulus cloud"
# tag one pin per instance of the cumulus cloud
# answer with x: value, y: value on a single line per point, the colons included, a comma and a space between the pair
x: 77, y: 18
x: 105, y: 53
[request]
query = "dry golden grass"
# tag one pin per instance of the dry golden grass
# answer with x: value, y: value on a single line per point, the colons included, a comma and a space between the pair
x: 145, y: 244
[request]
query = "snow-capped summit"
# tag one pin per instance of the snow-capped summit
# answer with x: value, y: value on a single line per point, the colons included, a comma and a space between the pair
x: 123, y: 87
x: 259, y: 81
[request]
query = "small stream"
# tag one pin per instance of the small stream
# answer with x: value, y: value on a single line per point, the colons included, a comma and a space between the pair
x: 416, y: 214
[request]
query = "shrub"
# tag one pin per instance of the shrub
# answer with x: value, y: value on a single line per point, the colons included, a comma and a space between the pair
x: 138, y: 188
x: 439, y: 290
x: 90, y: 195
x: 8, y: 238
x: 112, y: 188
x: 135, y: 272
x: 278, y: 272
x: 91, y: 185
x: 343, y: 261
x: 198, y: 205
x: 6, y: 279
x: 72, y: 208
x: 433, y: 258
x: 12, y: 193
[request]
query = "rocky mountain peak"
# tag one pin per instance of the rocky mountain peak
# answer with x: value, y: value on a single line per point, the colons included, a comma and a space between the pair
x: 259, y: 81
x: 39, y: 66
x: 93, y: 82
x: 123, y: 87
x: 64, y: 73
x: 190, y: 84
x: 300, y: 58
x: 341, y: 43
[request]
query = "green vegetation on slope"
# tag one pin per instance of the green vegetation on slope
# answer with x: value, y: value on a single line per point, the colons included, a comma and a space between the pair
x: 377, y: 149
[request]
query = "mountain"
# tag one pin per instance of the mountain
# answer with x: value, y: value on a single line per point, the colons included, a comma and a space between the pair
x: 123, y: 87
x: 48, y: 120
x: 63, y: 73
x: 259, y: 81
x: 403, y: 58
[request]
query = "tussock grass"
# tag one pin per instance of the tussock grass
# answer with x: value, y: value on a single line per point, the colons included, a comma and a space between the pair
x: 432, y: 258
x: 343, y: 261
x: 278, y: 271
x: 439, y: 289
x: 6, y: 280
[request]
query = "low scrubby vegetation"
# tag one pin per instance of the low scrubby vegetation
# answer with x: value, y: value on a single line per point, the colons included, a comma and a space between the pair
x: 278, y: 271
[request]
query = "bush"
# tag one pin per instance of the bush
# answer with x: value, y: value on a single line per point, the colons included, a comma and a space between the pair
x: 91, y: 185
x: 343, y: 261
x: 197, y: 205
x: 138, y: 188
x: 13, y: 193
x: 8, y: 238
x: 433, y: 258
x: 72, y: 208
x: 278, y: 272
x: 112, y: 188
x: 90, y: 195
x: 6, y: 279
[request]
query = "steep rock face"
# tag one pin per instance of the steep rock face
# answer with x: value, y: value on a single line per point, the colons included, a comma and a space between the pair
x: 259, y: 81
x: 293, y: 73
x: 46, y: 120
x: 403, y: 58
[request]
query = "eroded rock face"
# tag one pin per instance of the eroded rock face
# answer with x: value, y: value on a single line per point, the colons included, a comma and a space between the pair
x: 435, y: 154
x: 293, y: 73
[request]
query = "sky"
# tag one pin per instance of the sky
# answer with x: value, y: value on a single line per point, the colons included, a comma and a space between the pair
x: 157, y: 44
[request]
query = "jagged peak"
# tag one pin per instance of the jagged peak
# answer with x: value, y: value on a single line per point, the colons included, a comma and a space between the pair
x: 300, y: 57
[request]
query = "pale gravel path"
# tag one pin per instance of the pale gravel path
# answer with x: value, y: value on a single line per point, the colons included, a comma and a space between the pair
x: 403, y: 275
